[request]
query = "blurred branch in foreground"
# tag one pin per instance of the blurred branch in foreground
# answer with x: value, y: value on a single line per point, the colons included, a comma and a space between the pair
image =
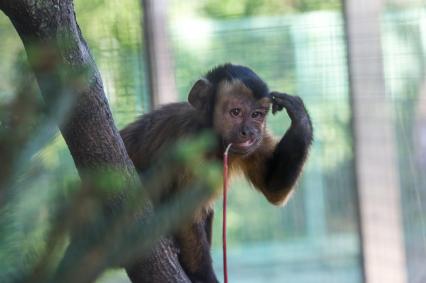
x: 100, y: 240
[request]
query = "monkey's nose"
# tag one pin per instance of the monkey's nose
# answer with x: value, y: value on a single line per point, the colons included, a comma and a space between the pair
x: 245, y: 133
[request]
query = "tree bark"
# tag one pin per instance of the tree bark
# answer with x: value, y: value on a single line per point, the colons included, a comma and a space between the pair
x: 66, y: 71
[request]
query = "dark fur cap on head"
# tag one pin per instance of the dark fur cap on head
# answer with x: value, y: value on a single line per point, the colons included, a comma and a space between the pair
x: 231, y: 72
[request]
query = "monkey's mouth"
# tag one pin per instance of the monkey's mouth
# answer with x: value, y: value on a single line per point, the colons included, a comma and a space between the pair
x: 244, y: 147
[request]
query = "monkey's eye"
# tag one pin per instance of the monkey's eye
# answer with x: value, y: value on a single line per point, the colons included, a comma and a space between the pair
x: 257, y: 114
x: 235, y: 112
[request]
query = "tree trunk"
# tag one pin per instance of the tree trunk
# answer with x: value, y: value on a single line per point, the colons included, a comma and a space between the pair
x: 66, y: 71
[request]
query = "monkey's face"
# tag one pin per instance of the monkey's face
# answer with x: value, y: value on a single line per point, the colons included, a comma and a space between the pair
x: 239, y: 118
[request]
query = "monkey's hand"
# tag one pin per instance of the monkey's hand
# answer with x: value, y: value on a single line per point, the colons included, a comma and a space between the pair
x: 295, y: 108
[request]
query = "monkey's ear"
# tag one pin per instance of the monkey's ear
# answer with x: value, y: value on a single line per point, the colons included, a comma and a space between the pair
x: 200, y: 93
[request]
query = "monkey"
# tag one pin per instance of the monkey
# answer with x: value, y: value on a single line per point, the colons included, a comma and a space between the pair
x: 232, y: 102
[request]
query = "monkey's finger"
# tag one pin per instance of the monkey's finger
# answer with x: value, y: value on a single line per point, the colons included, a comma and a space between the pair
x: 277, y: 103
x: 276, y: 107
x: 281, y: 100
x: 280, y: 97
x: 293, y: 104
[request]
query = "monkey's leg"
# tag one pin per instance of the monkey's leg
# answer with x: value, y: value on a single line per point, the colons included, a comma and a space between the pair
x: 195, y: 253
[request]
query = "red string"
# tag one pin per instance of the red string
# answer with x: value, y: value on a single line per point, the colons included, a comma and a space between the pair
x: 225, y: 190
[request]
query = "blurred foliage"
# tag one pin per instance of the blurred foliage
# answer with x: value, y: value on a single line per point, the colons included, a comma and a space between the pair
x: 228, y: 9
x: 246, y: 8
x: 27, y: 185
x: 8, y: 59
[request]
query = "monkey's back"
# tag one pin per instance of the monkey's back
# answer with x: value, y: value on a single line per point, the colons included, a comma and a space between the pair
x: 153, y: 132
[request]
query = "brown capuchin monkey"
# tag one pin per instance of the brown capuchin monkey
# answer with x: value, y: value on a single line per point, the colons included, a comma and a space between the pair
x: 232, y: 102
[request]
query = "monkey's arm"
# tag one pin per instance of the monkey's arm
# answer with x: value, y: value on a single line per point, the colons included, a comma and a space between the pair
x: 275, y: 167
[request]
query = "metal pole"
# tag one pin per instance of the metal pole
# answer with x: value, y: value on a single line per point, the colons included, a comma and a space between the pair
x: 376, y: 161
x: 159, y: 58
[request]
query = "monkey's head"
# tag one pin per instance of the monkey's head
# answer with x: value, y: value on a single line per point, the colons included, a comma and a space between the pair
x: 236, y: 101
